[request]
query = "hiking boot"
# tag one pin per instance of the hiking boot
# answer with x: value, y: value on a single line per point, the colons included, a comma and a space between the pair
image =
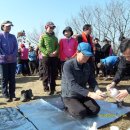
x: 8, y: 99
x: 46, y: 89
x: 51, y: 92
x: 23, y: 96
x: 29, y: 94
x: 15, y: 99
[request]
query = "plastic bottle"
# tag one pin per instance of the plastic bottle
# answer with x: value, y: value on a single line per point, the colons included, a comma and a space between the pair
x: 113, y: 93
x: 94, y: 126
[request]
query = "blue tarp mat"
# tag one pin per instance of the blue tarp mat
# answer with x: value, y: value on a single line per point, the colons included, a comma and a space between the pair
x: 12, y: 119
x: 47, y: 117
x: 109, y: 112
x: 49, y: 114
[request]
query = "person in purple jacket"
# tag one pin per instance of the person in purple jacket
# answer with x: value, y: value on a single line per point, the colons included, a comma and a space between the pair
x: 8, y: 56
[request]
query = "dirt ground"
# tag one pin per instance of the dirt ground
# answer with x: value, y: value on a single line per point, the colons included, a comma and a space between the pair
x: 32, y: 82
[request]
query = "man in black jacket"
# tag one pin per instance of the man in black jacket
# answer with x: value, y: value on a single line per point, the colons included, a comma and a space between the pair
x: 97, y: 54
x: 123, y: 69
x: 106, y: 49
x: 77, y: 72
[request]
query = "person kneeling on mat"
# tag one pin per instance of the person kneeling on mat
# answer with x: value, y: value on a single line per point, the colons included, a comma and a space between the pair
x: 78, y: 99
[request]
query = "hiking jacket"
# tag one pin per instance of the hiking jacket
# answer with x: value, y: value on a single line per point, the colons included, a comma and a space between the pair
x: 68, y: 48
x: 122, y: 70
x: 8, y: 48
x: 32, y: 56
x: 24, y: 53
x: 110, y: 60
x: 48, y: 44
x: 84, y: 38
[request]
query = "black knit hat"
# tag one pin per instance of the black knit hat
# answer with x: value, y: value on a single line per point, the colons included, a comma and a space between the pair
x: 68, y: 29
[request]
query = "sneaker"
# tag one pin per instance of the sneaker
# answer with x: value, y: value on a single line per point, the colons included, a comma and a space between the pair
x: 29, y: 94
x: 23, y: 96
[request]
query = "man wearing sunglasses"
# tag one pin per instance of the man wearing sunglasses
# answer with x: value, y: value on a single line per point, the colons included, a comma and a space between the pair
x: 48, y: 45
x: 77, y: 73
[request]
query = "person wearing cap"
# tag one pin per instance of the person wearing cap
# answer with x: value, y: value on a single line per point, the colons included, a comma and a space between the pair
x: 8, y: 57
x: 68, y: 46
x: 123, y: 69
x: 48, y: 45
x: 77, y: 73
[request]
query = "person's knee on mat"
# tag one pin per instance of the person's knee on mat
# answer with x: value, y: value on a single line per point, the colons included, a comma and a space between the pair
x: 79, y: 114
x: 96, y: 111
x: 92, y: 107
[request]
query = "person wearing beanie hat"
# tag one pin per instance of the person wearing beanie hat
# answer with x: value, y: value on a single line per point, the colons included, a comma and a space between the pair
x: 8, y: 57
x: 123, y: 69
x: 68, y: 29
x: 68, y: 46
x: 49, y: 47
x: 78, y: 100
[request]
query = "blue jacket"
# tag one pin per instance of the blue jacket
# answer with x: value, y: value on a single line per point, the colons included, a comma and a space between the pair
x: 32, y: 56
x: 8, y: 48
x: 75, y: 78
x: 110, y: 61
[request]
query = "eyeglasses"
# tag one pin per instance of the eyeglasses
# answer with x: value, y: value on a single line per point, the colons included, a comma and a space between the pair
x: 52, y: 27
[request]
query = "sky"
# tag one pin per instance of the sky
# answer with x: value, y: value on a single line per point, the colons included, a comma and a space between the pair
x: 33, y: 14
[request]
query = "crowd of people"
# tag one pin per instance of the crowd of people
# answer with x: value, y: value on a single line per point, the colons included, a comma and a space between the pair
x: 78, y: 59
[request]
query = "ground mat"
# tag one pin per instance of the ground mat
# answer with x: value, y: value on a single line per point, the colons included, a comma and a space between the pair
x: 49, y: 114
x: 12, y: 119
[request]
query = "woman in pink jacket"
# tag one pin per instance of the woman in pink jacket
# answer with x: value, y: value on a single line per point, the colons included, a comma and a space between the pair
x: 68, y: 46
x: 24, y: 60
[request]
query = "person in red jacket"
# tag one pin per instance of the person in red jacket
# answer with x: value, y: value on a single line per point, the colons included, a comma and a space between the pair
x: 87, y: 38
x: 68, y: 46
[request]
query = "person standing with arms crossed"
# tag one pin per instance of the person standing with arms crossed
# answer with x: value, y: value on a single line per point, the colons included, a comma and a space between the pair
x: 8, y: 56
x: 48, y: 45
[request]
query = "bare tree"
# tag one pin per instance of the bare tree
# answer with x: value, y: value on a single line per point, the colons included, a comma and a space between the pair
x: 34, y: 36
x: 108, y: 22
x: 77, y: 22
